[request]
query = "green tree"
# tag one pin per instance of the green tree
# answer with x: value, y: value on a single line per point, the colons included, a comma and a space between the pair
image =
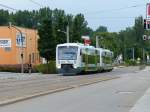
x: 59, y: 23
x: 79, y: 27
x: 139, y: 29
x: 101, y: 29
x: 4, y: 17
x: 139, y: 32
x: 46, y: 42
x: 23, y: 19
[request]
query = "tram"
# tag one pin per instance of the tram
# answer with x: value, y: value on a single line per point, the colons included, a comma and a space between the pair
x: 74, y: 58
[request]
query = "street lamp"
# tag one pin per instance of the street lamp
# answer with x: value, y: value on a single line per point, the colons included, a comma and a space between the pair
x: 133, y: 52
x: 22, y: 66
x: 67, y: 32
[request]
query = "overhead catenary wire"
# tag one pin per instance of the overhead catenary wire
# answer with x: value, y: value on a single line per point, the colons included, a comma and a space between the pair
x: 8, y: 7
x: 116, y: 10
x: 109, y: 18
x: 112, y: 10
x: 36, y: 3
x: 113, y: 17
x: 14, y: 9
x: 109, y: 10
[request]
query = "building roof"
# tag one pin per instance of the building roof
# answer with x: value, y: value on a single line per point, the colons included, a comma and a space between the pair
x: 21, y: 28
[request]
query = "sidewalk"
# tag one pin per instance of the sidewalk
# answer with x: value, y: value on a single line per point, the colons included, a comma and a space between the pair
x: 143, y: 104
x: 147, y: 68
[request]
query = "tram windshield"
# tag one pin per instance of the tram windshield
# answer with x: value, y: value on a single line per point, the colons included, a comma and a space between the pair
x: 67, y: 53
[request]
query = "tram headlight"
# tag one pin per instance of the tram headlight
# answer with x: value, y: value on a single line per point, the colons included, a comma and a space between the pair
x: 58, y: 66
x: 75, y: 66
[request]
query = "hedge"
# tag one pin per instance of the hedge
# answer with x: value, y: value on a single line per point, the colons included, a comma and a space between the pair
x: 49, y: 68
x: 15, y: 68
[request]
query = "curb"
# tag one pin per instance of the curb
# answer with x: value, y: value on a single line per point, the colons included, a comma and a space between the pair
x: 121, y: 66
x: 15, y: 100
x: 142, y: 105
x: 26, y: 97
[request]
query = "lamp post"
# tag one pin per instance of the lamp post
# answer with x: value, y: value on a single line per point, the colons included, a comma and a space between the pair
x: 133, y: 54
x: 97, y: 42
x: 22, y: 66
x: 133, y: 51
x: 67, y: 33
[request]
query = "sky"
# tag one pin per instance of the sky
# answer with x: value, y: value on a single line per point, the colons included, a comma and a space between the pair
x: 116, y: 15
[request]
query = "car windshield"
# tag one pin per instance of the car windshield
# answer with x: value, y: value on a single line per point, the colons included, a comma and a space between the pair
x: 67, y: 53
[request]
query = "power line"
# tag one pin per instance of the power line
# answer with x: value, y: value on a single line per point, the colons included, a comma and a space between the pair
x: 113, y: 17
x: 36, y: 3
x: 130, y: 17
x: 5, y: 6
x: 117, y: 9
x: 112, y: 10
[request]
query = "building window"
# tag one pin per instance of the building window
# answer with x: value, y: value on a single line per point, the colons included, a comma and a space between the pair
x: 20, y: 39
x: 29, y: 58
x: 33, y: 57
x: 37, y: 56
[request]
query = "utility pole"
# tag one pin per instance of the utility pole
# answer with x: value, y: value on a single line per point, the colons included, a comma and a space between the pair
x: 97, y: 42
x: 133, y: 54
x: 22, y: 66
x: 143, y: 55
x: 67, y: 33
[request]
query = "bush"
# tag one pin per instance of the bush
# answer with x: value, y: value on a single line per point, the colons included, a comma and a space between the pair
x: 10, y: 68
x: 131, y: 62
x: 49, y: 68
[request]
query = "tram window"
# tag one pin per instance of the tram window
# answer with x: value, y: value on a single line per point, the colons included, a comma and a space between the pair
x: 80, y: 52
x: 67, y: 53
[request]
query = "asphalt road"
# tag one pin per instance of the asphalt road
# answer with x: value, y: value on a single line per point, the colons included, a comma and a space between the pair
x: 118, y: 95
x: 14, y: 85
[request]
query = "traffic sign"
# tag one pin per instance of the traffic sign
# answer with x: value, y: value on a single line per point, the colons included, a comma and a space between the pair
x: 147, y: 24
x: 87, y: 41
x: 146, y: 37
x: 148, y: 11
